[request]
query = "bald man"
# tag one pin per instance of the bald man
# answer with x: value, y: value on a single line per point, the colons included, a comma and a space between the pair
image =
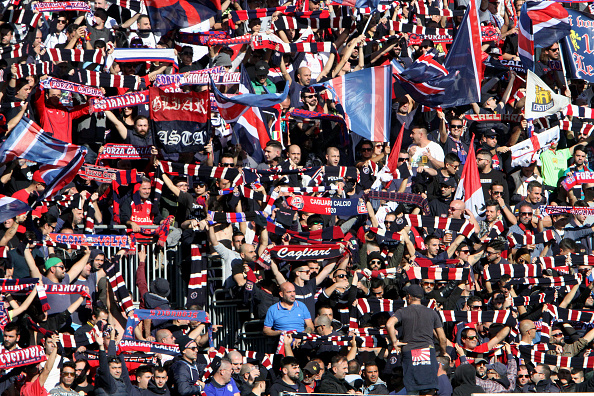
x: 287, y: 314
x: 239, y: 270
x: 302, y: 79
x: 527, y: 332
x: 236, y: 361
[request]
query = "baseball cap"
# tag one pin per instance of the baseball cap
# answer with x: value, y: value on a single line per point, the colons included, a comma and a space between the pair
x: 222, y: 59
x: 261, y: 68
x: 450, y: 182
x: 50, y: 262
x: 490, y: 133
x: 415, y: 291
x: 312, y: 367
x: 499, y: 368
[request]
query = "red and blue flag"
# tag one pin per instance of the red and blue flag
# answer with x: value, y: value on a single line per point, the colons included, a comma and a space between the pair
x: 244, y: 114
x: 458, y: 81
x: 364, y: 98
x: 167, y: 15
x: 542, y: 24
x: 60, y: 161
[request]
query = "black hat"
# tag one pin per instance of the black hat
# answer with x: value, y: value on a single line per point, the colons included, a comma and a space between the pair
x: 262, y: 377
x: 490, y: 133
x: 448, y: 181
x: 261, y: 68
x: 415, y: 291
x: 375, y: 256
x: 160, y: 287
x: 183, y: 342
x: 485, y: 98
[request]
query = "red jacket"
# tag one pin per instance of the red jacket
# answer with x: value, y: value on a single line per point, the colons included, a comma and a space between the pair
x: 58, y: 120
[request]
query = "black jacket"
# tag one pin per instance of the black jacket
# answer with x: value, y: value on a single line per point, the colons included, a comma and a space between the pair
x: 282, y: 386
x: 331, y: 384
x: 544, y: 386
x: 106, y: 384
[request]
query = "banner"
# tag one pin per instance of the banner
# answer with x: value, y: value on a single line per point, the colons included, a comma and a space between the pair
x: 56, y: 83
x: 516, y: 66
x: 540, y: 99
x: 576, y: 210
x: 529, y: 150
x: 62, y: 6
x: 220, y: 77
x: 22, y: 357
x: 119, y: 241
x: 170, y: 314
x: 305, y: 252
x: 575, y: 178
x: 488, y: 33
x: 578, y: 45
x: 495, y: 117
x: 181, y: 121
x: 121, y: 101
x: 147, y: 346
x: 328, y: 206
x: 101, y: 174
x: 124, y: 151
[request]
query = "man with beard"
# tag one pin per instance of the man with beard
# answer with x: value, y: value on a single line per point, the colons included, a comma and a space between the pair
x: 99, y: 314
x: 491, y: 222
x: 564, y: 349
x: 247, y: 376
x: 451, y: 139
x: 12, y: 335
x: 89, y: 277
x: 289, y: 380
x: 221, y: 383
x: 484, y: 162
x: 525, y: 226
x: 158, y: 386
x: 492, y: 257
x: 67, y: 376
x: 55, y: 118
x: 55, y: 275
x: 439, y: 206
x: 82, y: 385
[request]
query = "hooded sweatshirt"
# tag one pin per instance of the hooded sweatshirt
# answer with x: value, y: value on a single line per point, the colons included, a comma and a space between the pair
x: 465, y: 377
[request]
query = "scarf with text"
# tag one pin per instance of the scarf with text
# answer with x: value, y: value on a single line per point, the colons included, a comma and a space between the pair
x: 118, y: 241
x: 232, y: 217
x: 495, y: 117
x: 328, y: 206
x: 119, y: 102
x: 575, y: 178
x: 28, y: 284
x: 56, y: 83
x: 61, y: 6
x: 171, y: 314
x: 313, y: 237
x: 22, y: 357
x: 407, y: 198
x: 305, y: 252
x: 127, y: 346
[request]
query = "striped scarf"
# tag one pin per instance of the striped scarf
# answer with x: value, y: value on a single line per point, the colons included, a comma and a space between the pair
x: 232, y: 217
x: 202, y: 171
x: 532, y: 239
x: 364, y: 306
x: 73, y: 55
x: 16, y: 51
x: 411, y: 28
x: 287, y: 22
x: 98, y: 79
x: 463, y: 227
x: 264, y: 41
x: 116, y: 280
x: 579, y: 111
x: 531, y: 353
x: 534, y: 299
x: 22, y: 16
x: 312, y: 237
x: 61, y: 6
x: 572, y: 260
x: 576, y: 125
x: 564, y: 280
x: 33, y: 69
x: 407, y: 198
x: 501, y: 316
x: 197, y: 286
x: 438, y: 273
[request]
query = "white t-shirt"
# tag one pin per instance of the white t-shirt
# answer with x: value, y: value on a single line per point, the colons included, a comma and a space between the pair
x: 419, y: 158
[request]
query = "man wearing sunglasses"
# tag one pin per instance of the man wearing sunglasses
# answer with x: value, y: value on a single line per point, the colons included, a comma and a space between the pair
x: 451, y: 138
x: 185, y: 372
x: 67, y: 376
x: 524, y: 227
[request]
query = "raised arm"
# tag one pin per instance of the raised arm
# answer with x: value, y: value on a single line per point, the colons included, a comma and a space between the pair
x: 33, y: 270
x: 121, y: 128
x: 79, y: 265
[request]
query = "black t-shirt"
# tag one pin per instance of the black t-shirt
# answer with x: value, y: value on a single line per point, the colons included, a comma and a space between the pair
x: 417, y: 325
x: 306, y: 295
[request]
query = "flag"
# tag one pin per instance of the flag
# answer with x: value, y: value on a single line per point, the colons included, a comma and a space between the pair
x: 458, y: 81
x: 166, y: 15
x: 365, y: 99
x: 60, y: 161
x: 527, y: 151
x: 243, y: 112
x: 11, y: 207
x: 469, y: 189
x: 542, y: 24
x: 540, y: 99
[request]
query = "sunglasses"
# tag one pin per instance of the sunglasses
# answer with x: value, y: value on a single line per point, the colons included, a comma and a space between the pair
x: 465, y: 251
x: 525, y: 213
x: 68, y: 374
x: 523, y: 376
x: 471, y: 337
x: 403, y: 159
x: 226, y: 164
x: 307, y: 96
x: 554, y: 49
x: 476, y: 307
x: 201, y: 185
x: 136, y: 45
x: 456, y: 126
x: 61, y: 20
x: 366, y: 149
x: 497, y: 192
x: 341, y: 276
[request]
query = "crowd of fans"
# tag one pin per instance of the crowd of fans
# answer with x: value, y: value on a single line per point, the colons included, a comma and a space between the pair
x: 478, y: 303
